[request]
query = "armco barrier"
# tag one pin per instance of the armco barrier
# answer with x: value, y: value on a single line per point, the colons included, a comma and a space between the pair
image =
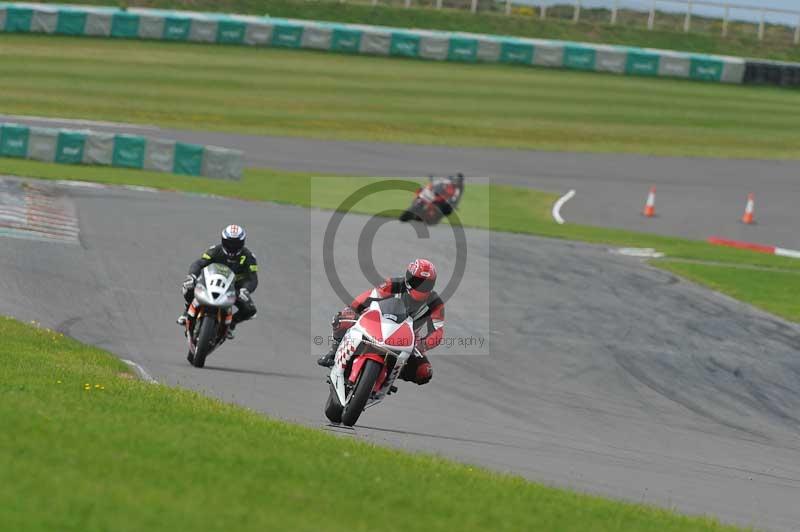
x: 355, y: 38
x: 125, y: 151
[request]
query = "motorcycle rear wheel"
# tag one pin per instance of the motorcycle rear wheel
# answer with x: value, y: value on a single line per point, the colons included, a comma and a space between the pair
x: 361, y: 393
x: 205, y: 341
x: 333, y: 409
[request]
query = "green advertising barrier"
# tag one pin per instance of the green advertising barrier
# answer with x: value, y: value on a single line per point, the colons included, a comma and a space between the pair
x: 68, y: 146
x: 125, y: 25
x: 188, y: 159
x: 461, y: 49
x: 345, y: 40
x: 641, y: 63
x: 348, y: 38
x: 516, y: 52
x: 128, y: 151
x: 579, y: 57
x: 69, y: 149
x: 706, y: 69
x: 404, y: 44
x: 230, y: 32
x: 287, y: 35
x: 176, y: 28
x: 18, y: 19
x: 14, y: 140
x: 71, y: 22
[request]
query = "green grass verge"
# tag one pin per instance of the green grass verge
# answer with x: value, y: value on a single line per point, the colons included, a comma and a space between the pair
x: 337, y: 96
x: 631, y: 30
x: 125, y: 455
x: 775, y: 292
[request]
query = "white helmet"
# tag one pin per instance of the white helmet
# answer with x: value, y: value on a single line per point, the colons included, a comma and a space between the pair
x: 233, y: 240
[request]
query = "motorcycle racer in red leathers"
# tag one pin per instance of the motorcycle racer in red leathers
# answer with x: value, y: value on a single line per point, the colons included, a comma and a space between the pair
x: 424, y: 305
x: 438, y: 198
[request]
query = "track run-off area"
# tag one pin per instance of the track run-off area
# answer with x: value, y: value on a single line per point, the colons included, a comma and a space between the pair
x: 697, y: 198
x: 600, y: 373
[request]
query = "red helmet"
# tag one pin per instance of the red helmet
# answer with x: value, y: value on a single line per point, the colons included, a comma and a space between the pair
x: 420, y: 279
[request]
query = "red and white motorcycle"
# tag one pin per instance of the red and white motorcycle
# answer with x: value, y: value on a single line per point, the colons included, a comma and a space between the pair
x: 369, y: 359
x: 439, y: 198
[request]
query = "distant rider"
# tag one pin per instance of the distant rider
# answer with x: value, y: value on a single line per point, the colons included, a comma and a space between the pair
x: 447, y: 192
x: 424, y: 306
x: 232, y: 253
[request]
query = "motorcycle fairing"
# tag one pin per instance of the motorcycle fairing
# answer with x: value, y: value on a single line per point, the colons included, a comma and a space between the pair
x: 384, y: 330
x: 369, y: 331
x: 216, y: 288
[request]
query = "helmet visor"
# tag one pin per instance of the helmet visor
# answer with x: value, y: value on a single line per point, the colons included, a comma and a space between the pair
x: 419, y: 284
x: 232, y: 246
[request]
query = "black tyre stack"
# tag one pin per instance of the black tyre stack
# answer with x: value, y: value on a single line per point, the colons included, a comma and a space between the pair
x: 760, y: 72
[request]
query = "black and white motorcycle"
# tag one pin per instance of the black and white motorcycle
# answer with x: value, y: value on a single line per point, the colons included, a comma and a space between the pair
x: 211, y: 312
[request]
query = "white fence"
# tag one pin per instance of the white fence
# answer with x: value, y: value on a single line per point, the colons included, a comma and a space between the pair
x: 726, y: 12
x: 688, y: 7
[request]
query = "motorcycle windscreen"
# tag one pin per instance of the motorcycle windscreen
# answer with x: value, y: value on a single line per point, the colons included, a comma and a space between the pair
x: 393, y: 309
x: 219, y: 269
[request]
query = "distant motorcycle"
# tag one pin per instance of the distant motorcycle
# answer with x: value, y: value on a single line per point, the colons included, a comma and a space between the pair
x: 370, y: 357
x: 211, y: 312
x: 439, y: 198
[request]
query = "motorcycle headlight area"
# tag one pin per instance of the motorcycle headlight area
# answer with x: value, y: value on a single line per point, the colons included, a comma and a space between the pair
x: 385, y: 349
x: 201, y: 295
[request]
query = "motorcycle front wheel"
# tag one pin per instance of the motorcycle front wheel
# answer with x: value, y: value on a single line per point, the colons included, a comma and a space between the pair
x: 407, y: 216
x: 358, y: 400
x: 205, y: 340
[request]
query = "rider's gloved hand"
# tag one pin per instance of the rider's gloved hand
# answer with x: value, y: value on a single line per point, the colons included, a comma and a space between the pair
x: 345, y: 314
x: 189, y: 282
x: 342, y: 321
x: 244, y: 295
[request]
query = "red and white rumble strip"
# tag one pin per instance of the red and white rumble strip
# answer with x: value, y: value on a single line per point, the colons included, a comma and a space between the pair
x: 36, y: 212
x: 761, y: 248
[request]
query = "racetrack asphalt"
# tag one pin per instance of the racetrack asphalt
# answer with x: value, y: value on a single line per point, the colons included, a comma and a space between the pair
x: 696, y: 198
x: 601, y: 373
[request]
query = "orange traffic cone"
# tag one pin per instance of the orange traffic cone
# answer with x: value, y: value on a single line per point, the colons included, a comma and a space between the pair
x: 749, y: 210
x: 650, y: 205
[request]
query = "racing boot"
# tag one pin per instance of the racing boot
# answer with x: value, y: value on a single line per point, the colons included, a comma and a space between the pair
x: 183, y: 319
x: 229, y: 334
x: 326, y: 360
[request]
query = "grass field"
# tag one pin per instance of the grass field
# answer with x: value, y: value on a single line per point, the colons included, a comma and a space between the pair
x: 323, y: 95
x: 631, y: 29
x: 510, y: 209
x: 86, y: 447
x: 775, y: 292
